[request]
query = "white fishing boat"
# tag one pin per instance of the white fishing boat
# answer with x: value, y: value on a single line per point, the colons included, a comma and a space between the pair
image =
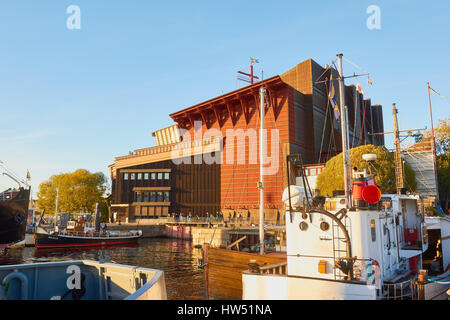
x: 369, y: 247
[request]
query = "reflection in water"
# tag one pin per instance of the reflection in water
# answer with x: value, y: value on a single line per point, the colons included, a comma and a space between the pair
x: 177, y: 258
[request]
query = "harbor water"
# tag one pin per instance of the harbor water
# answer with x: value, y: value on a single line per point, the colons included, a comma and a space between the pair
x: 177, y: 258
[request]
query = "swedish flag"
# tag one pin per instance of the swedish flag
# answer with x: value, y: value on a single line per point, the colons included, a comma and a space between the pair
x: 28, y: 175
x: 253, y: 60
x: 332, y: 97
x: 438, y: 93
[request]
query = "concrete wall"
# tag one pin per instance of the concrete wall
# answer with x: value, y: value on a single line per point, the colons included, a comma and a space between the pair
x: 216, y: 237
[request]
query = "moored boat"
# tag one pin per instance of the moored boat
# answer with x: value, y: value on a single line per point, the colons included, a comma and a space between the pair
x: 67, y: 239
x: 80, y: 280
x: 13, y: 210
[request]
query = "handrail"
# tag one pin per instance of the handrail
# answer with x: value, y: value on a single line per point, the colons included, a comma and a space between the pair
x: 93, y: 234
x: 276, y: 268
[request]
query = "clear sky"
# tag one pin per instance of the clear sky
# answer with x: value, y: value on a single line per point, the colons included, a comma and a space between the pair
x: 78, y: 98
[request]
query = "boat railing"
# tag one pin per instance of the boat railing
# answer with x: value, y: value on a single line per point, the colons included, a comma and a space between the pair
x: 94, y: 233
x: 405, y: 290
x: 275, y: 269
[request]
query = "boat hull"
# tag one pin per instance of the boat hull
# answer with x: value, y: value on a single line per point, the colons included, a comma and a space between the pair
x: 64, y: 241
x: 13, y: 218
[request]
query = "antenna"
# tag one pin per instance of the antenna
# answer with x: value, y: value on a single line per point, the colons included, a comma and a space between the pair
x: 248, y: 77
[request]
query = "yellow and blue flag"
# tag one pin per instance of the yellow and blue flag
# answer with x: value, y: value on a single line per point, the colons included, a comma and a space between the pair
x: 28, y: 176
x: 253, y: 60
x: 438, y: 93
x: 332, y: 97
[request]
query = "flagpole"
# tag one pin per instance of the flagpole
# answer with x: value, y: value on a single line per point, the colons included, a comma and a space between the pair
x: 433, y: 143
x: 261, y: 172
x: 344, y: 132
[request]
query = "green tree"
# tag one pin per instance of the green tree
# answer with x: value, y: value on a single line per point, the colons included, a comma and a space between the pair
x: 78, y: 191
x: 332, y: 177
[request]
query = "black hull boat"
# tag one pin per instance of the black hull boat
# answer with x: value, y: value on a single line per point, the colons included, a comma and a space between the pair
x: 68, y: 240
x: 13, y: 215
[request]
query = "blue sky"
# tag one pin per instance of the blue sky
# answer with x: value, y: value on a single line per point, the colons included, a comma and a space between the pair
x: 78, y: 98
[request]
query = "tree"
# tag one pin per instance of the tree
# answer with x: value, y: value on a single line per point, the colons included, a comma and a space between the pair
x: 443, y: 168
x: 442, y: 138
x: 78, y: 191
x: 332, y: 177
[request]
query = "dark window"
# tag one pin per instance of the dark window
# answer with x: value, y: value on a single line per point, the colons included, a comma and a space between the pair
x: 159, y: 196
x: 152, y: 197
x: 166, y: 196
x: 138, y: 197
x: 145, y: 197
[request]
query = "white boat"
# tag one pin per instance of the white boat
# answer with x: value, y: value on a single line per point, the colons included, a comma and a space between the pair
x: 354, y: 254
x: 367, y: 248
x: 80, y: 280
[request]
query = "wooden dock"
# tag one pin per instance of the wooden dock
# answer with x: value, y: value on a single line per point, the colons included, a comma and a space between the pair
x: 223, y: 270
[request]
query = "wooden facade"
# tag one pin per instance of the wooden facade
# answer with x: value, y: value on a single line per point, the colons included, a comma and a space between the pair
x: 298, y: 120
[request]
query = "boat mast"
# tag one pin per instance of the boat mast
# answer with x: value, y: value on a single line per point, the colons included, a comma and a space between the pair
x: 344, y: 129
x: 261, y: 172
x: 398, y: 158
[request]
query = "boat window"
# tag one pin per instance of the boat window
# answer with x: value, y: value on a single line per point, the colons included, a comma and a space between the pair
x: 166, y: 175
x: 166, y: 196
x: 139, y: 176
x: 125, y: 176
x: 159, y: 175
x: 145, y: 197
x: 138, y: 197
x: 159, y: 196
x: 153, y: 175
x: 132, y: 176
x: 152, y: 197
x: 145, y: 176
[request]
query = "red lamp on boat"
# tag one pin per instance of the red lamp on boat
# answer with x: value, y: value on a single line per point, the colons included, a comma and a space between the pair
x: 364, y: 190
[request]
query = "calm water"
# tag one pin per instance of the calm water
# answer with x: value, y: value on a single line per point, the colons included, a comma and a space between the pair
x: 177, y: 258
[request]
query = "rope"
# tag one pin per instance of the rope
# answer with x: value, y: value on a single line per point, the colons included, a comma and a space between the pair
x: 332, y: 63
x: 325, y: 126
x: 354, y: 64
x: 363, y: 124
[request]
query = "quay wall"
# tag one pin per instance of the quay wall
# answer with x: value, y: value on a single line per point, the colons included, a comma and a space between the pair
x: 215, y: 237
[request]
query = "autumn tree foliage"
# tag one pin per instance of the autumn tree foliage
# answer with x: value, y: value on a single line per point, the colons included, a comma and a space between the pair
x: 332, y: 177
x: 442, y: 136
x: 78, y: 191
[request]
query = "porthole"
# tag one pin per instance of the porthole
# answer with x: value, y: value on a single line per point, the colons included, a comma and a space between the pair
x: 324, y: 226
x: 303, y: 226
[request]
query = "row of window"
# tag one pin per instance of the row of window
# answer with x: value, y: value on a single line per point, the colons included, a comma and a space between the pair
x: 146, y: 176
x: 152, y: 196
